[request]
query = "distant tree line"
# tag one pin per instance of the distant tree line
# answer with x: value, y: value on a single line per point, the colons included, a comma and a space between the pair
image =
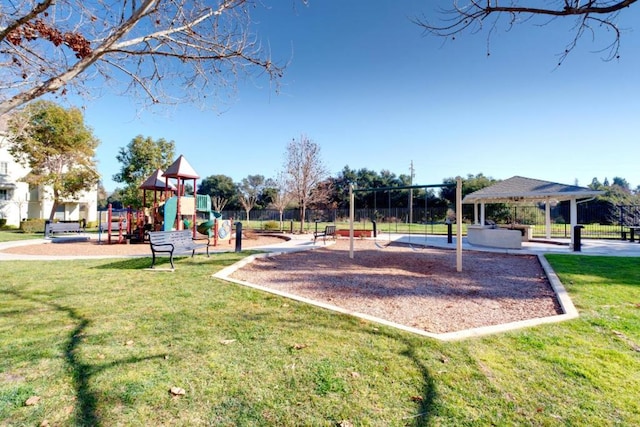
x: 300, y: 186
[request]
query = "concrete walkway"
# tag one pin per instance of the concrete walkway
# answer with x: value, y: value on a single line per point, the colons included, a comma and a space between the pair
x: 560, y: 246
x: 303, y: 242
x: 296, y: 242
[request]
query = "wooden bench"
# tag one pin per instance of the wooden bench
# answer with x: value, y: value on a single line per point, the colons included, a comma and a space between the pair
x: 62, y: 227
x: 170, y: 242
x: 329, y: 231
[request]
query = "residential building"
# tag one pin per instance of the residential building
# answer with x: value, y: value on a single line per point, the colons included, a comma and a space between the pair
x: 20, y: 201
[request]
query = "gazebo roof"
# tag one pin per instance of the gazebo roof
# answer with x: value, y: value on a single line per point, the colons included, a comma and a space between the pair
x: 519, y: 188
x: 156, y: 182
x: 181, y: 169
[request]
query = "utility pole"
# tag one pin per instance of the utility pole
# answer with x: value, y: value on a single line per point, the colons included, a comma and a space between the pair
x: 411, y: 176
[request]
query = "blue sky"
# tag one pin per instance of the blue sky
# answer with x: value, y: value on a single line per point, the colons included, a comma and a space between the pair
x: 374, y: 92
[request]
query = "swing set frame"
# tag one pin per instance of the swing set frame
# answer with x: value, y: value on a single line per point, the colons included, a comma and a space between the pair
x: 458, y: 185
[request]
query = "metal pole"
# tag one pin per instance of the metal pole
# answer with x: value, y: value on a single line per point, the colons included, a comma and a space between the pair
x: 238, y: 236
x: 459, y: 224
x: 351, y: 219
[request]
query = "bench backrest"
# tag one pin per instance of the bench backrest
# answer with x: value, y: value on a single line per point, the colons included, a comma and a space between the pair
x: 176, y: 238
x: 330, y: 229
x: 58, y: 227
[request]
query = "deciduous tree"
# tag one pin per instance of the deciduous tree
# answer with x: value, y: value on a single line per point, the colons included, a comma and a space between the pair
x: 304, y: 170
x: 249, y: 190
x: 139, y: 159
x: 222, y: 189
x: 281, y: 196
x: 588, y: 17
x: 154, y: 50
x: 57, y: 146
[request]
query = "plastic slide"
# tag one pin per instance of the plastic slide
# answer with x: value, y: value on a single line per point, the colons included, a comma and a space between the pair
x: 170, y: 211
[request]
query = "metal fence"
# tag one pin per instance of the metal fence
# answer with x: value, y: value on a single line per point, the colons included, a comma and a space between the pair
x: 600, y: 220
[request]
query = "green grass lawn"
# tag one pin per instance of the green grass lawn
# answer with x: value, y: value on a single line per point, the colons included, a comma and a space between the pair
x: 101, y: 342
x: 12, y: 235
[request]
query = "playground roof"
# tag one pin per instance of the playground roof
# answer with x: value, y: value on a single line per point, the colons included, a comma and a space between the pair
x: 181, y: 169
x: 519, y: 188
x: 156, y: 182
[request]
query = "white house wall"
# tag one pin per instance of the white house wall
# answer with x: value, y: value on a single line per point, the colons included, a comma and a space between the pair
x: 36, y: 203
x: 16, y: 207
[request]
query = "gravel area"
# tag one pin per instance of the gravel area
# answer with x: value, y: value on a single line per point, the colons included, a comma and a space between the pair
x: 416, y: 288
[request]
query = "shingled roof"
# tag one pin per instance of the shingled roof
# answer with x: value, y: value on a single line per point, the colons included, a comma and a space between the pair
x: 519, y: 188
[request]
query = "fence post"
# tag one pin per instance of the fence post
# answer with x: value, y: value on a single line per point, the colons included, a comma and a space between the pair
x: 577, y: 235
x: 238, y: 236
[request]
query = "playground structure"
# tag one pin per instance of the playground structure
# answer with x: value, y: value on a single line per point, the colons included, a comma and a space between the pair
x: 171, y: 209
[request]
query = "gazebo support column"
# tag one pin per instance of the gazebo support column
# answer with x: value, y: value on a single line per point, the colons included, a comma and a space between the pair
x: 482, y: 213
x: 573, y: 214
x: 547, y: 218
x: 475, y: 213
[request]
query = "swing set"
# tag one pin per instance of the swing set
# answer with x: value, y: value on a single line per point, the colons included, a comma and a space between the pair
x: 458, y: 186
x: 381, y: 246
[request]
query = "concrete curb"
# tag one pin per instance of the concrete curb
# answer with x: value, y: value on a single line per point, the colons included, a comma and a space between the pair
x: 569, y: 310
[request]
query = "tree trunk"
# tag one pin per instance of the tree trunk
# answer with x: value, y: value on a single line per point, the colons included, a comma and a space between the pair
x: 281, y: 220
x: 302, y: 211
x: 52, y: 214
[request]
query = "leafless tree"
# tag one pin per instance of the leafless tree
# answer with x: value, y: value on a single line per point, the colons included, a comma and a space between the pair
x: 304, y: 170
x: 218, y: 203
x: 281, y: 197
x: 590, y: 16
x: 156, y: 51
x: 249, y: 191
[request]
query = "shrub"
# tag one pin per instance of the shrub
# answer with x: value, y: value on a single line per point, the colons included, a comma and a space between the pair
x: 3, y: 222
x: 271, y: 225
x: 32, y: 226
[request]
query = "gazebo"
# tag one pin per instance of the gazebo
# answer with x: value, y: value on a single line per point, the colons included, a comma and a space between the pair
x: 521, y: 189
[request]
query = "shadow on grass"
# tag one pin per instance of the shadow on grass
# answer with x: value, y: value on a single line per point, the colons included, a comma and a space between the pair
x: 81, y: 372
x: 141, y: 263
x: 425, y: 401
x: 132, y: 264
x: 425, y: 409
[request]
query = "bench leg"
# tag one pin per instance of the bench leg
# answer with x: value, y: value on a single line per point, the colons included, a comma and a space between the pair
x: 153, y: 259
x: 171, y: 260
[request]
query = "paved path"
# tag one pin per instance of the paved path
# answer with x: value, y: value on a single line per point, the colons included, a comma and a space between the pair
x: 561, y: 246
x: 304, y: 242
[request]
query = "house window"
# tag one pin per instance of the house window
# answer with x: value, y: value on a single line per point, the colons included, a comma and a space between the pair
x: 4, y: 194
x: 4, y: 168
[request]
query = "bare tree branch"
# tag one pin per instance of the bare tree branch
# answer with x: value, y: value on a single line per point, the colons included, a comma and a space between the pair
x: 304, y: 170
x: 471, y: 15
x: 169, y: 50
x: 37, y: 10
